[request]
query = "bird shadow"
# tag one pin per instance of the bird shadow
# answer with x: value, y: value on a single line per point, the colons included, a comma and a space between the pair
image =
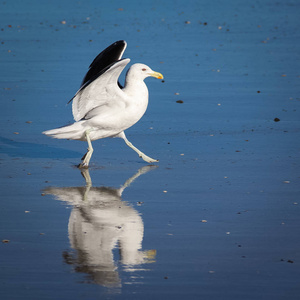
x: 32, y: 150
x: 101, y: 222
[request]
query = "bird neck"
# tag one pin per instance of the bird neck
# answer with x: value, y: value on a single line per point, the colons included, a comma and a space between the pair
x: 135, y: 86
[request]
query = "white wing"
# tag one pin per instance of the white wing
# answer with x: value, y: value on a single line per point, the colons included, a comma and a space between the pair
x: 99, y: 91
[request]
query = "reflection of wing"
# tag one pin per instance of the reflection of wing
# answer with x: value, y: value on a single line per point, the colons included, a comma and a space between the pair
x: 108, y: 56
x: 72, y: 195
x: 86, y: 196
x: 99, y: 91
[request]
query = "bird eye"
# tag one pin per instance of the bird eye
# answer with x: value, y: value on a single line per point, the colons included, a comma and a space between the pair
x: 144, y: 69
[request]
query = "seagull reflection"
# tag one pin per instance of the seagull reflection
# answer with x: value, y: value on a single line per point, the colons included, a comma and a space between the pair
x: 100, y: 222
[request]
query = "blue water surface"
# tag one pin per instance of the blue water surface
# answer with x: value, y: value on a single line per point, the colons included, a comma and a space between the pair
x: 218, y: 218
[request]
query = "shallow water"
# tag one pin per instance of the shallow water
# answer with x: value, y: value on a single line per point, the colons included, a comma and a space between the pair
x: 218, y: 218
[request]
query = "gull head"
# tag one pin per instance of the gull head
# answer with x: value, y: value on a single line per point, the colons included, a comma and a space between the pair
x: 142, y: 71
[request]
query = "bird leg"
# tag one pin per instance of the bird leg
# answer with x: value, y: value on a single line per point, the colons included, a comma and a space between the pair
x: 87, y: 157
x: 140, y: 153
x: 85, y: 173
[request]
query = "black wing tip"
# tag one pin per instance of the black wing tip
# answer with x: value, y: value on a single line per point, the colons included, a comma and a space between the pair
x: 121, y: 42
x: 109, y: 55
x: 112, y: 52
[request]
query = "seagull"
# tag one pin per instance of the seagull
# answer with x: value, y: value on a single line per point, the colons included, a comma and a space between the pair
x: 102, y: 107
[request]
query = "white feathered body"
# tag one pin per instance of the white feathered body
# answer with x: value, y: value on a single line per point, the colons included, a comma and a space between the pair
x: 105, y: 110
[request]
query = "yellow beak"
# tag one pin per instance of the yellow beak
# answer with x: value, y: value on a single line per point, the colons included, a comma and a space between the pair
x: 157, y: 75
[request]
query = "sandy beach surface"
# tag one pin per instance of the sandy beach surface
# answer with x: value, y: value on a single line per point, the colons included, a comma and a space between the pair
x: 217, y: 218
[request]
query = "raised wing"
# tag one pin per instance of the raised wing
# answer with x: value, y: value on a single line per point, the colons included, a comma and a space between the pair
x: 110, y: 55
x: 98, y: 91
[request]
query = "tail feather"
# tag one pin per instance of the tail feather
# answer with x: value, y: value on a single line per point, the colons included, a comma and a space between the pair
x: 74, y: 131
